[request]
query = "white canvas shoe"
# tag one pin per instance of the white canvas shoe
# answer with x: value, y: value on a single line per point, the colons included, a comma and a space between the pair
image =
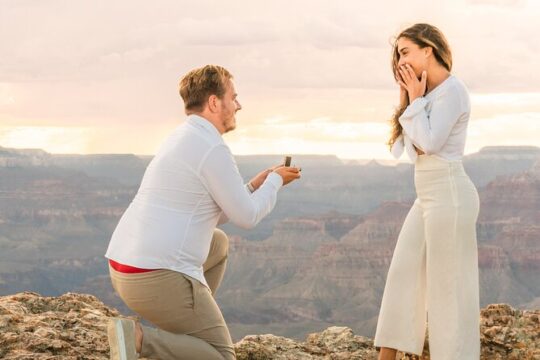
x: 121, y: 334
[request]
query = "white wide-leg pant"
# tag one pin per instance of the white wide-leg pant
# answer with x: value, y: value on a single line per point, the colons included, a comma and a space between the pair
x: 433, y: 276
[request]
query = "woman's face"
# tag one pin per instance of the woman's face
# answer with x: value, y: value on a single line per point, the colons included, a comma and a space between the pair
x: 412, y: 54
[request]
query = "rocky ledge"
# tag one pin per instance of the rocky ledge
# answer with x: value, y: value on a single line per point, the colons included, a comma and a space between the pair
x: 73, y: 326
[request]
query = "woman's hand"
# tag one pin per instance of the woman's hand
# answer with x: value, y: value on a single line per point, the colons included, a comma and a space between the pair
x: 403, y: 97
x: 415, y: 88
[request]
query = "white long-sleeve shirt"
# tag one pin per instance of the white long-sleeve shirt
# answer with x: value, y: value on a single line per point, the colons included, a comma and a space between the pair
x: 190, y: 185
x: 436, y: 123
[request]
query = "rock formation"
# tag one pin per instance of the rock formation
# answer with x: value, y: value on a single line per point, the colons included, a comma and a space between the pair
x: 73, y: 326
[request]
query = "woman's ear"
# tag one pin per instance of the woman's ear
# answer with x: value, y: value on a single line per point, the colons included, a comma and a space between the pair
x: 428, y: 50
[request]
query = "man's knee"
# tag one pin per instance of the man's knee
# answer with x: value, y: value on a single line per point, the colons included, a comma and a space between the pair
x: 221, y: 243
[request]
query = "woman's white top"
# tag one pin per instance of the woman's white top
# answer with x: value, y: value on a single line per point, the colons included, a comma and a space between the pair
x: 436, y: 123
x: 190, y: 186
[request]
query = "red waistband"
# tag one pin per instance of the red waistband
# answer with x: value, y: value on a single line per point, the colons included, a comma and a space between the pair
x: 127, y: 269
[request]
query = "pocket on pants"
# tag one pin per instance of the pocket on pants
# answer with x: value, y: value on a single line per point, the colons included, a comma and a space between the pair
x: 205, y: 306
x: 191, y: 299
x: 173, y: 308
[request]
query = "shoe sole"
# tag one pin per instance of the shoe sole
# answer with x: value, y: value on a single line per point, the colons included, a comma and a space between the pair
x: 117, y: 340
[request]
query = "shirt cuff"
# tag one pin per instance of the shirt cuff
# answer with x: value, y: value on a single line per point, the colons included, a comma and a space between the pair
x: 250, y: 187
x: 275, y: 179
x: 414, y: 108
x: 398, y: 147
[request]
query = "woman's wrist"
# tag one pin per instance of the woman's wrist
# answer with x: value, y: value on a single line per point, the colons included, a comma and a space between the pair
x: 414, y: 97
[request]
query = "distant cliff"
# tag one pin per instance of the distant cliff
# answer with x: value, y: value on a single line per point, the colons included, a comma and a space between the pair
x: 73, y: 326
x: 319, y: 259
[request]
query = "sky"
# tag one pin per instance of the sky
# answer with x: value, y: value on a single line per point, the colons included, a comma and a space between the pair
x: 313, y: 76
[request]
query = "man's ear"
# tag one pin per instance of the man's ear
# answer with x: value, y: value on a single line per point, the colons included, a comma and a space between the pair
x: 213, y: 103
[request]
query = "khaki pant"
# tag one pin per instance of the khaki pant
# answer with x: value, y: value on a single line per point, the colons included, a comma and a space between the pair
x: 433, y: 276
x: 189, y: 324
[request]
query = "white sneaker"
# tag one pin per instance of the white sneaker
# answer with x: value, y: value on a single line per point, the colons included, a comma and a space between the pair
x: 121, y: 334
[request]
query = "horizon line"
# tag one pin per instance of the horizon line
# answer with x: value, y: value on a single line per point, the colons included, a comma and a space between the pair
x: 515, y: 147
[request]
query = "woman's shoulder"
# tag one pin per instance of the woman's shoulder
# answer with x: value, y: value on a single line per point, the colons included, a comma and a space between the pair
x: 457, y: 93
x: 452, y: 87
x: 458, y: 84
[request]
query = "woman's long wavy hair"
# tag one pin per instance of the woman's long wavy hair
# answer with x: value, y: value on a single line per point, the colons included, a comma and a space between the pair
x: 422, y: 35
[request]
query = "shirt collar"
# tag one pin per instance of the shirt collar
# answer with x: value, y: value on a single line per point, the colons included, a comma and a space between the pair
x: 199, y: 121
x: 439, y: 87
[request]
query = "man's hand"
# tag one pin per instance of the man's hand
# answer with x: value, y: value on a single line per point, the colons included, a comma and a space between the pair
x: 258, y: 180
x: 288, y: 174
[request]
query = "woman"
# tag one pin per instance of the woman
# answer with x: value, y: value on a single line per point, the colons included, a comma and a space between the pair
x: 433, y: 276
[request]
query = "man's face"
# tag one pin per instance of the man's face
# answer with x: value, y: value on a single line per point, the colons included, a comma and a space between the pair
x: 229, y: 107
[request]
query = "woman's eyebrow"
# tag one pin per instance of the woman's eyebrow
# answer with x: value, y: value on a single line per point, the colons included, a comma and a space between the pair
x: 402, y: 49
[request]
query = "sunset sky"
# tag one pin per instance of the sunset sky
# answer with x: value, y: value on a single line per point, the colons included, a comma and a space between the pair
x: 313, y: 76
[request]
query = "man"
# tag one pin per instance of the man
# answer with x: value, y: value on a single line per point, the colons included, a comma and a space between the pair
x: 166, y: 257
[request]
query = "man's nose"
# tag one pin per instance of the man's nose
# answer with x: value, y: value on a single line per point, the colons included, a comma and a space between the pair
x: 238, y: 105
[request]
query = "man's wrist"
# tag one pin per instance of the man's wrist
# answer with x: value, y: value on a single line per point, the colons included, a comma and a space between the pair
x: 250, y: 187
x: 276, y: 179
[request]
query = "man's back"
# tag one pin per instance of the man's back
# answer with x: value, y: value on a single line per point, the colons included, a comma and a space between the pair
x: 170, y: 222
x: 191, y: 185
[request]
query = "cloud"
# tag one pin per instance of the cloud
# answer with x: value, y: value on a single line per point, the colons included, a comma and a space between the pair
x: 346, y: 46
x: 489, y: 105
x: 52, y: 139
x: 320, y: 129
x: 498, y: 2
x: 507, y: 129
x: 96, y: 64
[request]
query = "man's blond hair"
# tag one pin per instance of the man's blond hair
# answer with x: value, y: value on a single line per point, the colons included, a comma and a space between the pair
x: 199, y: 84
